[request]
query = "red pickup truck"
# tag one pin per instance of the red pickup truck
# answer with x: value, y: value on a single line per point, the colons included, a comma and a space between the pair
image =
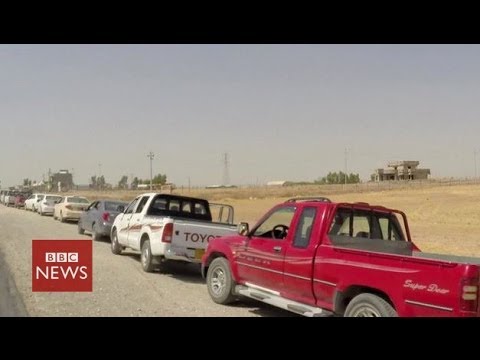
x: 318, y: 258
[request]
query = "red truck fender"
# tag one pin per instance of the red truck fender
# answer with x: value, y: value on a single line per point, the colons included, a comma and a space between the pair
x: 345, y: 294
x: 222, y: 251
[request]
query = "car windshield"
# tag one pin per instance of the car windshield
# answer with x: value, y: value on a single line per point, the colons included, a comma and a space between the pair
x: 53, y: 198
x: 78, y: 200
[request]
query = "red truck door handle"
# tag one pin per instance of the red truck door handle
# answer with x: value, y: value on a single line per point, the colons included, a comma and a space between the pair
x: 277, y: 248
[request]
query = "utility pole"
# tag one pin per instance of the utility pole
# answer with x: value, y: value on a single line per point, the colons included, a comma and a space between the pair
x: 226, y: 175
x: 346, y: 152
x: 99, y: 187
x: 151, y: 155
x: 189, y: 184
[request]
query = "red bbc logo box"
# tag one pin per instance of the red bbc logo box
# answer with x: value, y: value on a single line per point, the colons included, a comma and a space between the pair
x: 62, y: 265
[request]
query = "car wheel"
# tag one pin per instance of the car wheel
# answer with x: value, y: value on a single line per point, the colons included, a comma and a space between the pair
x: 219, y: 281
x: 369, y: 305
x: 116, y: 247
x: 146, y: 257
x: 80, y: 229
x: 95, y: 235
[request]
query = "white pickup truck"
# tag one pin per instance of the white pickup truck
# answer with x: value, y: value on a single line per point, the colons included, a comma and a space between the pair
x: 169, y: 227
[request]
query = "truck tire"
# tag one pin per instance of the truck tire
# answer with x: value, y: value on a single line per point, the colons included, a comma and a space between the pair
x: 369, y: 305
x: 146, y: 257
x: 116, y: 247
x: 219, y: 281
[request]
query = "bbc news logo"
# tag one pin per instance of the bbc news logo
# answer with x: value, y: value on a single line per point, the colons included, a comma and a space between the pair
x: 61, y: 265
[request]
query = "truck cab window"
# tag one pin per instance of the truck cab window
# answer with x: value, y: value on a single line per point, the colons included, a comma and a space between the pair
x: 341, y: 223
x: 186, y: 207
x: 159, y: 204
x: 141, y: 204
x: 276, y: 225
x: 304, y: 228
x: 130, y: 207
x: 174, y: 205
x: 390, y: 229
x: 200, y: 209
x: 361, y: 224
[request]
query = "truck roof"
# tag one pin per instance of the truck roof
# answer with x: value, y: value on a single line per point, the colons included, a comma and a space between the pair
x: 359, y: 205
x: 169, y: 196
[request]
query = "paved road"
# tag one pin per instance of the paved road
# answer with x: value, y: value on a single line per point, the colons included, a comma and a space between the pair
x: 120, y: 286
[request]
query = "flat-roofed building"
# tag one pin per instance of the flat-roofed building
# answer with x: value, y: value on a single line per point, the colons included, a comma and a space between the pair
x: 401, y: 170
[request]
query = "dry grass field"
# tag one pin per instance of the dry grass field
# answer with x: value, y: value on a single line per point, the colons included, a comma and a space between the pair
x: 442, y: 218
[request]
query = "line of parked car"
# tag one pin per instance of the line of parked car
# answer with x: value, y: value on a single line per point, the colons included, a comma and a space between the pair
x: 310, y: 256
x: 94, y: 217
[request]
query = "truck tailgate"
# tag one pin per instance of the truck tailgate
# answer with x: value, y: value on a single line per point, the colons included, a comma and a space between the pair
x: 193, y: 236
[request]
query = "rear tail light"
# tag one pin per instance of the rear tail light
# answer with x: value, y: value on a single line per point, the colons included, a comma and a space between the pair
x: 167, y: 233
x: 469, y: 295
x: 106, y: 216
x: 69, y: 207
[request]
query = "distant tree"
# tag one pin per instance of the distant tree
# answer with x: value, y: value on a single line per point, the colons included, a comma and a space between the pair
x: 135, y: 182
x: 93, y: 182
x: 353, y: 179
x: 338, y: 178
x: 101, y: 182
x: 159, y: 179
x: 123, y: 183
x: 27, y: 182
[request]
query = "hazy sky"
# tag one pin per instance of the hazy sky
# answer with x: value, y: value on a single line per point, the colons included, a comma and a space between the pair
x: 282, y: 112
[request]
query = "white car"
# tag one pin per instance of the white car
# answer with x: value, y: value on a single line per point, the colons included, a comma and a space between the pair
x: 32, y: 202
x: 70, y: 208
x: 46, y: 206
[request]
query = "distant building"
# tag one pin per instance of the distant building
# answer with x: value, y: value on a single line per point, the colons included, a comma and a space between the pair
x: 213, y: 186
x: 61, y: 181
x: 277, y: 183
x: 220, y: 186
x: 401, y: 170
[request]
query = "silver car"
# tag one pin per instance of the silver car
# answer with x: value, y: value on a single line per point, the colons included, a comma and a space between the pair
x: 46, y: 205
x: 99, y: 217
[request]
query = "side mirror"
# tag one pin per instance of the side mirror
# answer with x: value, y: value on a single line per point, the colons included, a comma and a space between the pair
x: 121, y: 208
x: 243, y: 229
